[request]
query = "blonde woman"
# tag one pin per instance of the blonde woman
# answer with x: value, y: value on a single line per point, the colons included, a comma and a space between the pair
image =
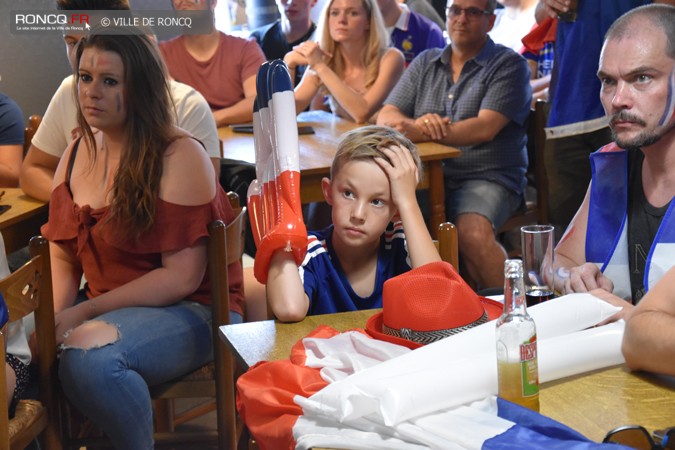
x: 352, y: 64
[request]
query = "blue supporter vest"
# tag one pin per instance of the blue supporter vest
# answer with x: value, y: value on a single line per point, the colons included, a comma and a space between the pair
x: 606, y: 234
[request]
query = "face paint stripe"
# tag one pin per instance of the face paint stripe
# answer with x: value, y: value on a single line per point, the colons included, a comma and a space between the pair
x: 669, y: 110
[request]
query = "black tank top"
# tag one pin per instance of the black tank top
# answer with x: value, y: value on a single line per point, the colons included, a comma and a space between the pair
x: 643, y: 223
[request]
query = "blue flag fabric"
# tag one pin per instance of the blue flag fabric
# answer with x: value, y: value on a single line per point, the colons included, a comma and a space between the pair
x: 535, y: 431
x: 4, y: 314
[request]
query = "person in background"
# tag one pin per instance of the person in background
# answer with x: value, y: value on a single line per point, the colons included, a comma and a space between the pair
x: 538, y: 49
x: 122, y: 215
x: 577, y: 125
x: 649, y: 337
x: 373, y: 179
x: 11, y: 141
x: 352, y: 65
x: 621, y: 238
x: 513, y: 22
x: 425, y: 8
x: 410, y: 32
x: 221, y: 67
x: 293, y: 28
x: 59, y: 123
x: 475, y: 95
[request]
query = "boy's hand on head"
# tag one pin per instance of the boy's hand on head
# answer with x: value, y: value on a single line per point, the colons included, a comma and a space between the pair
x: 402, y: 173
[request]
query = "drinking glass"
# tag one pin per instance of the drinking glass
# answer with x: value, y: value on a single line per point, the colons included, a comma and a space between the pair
x: 537, y: 247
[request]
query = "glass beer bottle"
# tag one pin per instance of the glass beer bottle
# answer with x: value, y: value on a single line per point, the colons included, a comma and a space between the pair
x: 518, y: 373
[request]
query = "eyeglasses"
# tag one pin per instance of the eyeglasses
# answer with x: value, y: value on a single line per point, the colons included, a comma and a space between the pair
x: 471, y: 12
x: 639, y: 438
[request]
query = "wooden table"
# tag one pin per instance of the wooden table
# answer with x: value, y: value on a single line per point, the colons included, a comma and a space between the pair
x: 23, y: 220
x: 317, y: 151
x: 592, y: 403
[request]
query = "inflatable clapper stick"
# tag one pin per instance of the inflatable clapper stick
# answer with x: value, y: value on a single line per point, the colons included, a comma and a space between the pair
x: 274, y: 198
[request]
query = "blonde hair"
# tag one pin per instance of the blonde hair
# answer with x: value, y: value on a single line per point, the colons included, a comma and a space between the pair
x: 378, y: 41
x: 366, y: 143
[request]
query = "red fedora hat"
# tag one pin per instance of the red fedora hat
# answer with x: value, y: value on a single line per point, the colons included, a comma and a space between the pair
x: 427, y: 304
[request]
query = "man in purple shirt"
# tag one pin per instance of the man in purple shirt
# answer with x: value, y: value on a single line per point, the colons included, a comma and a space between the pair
x: 412, y: 33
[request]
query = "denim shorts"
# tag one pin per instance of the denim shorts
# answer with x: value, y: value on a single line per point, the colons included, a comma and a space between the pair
x: 489, y: 199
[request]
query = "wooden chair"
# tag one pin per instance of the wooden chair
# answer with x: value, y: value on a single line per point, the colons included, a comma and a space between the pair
x: 31, y: 127
x: 535, y: 211
x: 214, y: 380
x: 29, y: 289
x: 447, y: 244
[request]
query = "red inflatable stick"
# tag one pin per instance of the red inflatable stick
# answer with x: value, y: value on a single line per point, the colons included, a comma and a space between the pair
x: 274, y: 197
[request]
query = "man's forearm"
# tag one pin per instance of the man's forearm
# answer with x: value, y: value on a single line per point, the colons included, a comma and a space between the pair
x: 37, y: 182
x: 472, y: 131
x: 649, y: 342
x: 390, y: 116
x: 240, y: 112
x: 37, y: 173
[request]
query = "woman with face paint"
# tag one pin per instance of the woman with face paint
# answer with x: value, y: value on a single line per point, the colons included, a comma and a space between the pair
x: 122, y: 216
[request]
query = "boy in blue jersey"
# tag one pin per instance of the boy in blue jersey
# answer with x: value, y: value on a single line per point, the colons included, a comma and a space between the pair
x: 373, y: 179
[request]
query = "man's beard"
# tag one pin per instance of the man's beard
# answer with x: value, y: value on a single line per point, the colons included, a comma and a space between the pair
x: 644, y: 139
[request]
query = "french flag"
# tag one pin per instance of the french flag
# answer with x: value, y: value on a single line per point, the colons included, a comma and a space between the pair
x: 347, y: 390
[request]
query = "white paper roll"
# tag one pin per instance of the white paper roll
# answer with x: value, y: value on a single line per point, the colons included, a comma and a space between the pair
x: 580, y: 352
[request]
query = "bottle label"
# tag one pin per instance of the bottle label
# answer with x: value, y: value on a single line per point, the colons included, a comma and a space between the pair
x: 528, y: 367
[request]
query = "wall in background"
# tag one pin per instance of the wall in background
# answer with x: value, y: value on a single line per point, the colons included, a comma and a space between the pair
x: 31, y: 65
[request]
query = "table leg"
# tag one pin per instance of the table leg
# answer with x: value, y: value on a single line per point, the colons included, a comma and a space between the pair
x: 436, y: 196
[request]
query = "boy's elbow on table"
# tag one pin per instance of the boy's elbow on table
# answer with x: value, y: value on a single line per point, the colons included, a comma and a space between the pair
x: 290, y: 312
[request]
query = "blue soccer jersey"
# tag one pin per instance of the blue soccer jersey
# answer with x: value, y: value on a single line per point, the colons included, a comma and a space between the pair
x: 326, y: 284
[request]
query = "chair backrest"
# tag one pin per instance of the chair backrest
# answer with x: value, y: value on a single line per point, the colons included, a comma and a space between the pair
x: 536, y: 211
x: 226, y: 246
x: 447, y: 244
x: 233, y: 197
x: 31, y: 127
x: 29, y: 289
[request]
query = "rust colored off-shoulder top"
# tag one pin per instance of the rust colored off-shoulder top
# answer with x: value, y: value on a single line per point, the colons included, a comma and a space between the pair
x: 109, y: 260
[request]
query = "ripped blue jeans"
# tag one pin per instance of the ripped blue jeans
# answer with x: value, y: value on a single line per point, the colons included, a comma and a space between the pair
x: 109, y: 383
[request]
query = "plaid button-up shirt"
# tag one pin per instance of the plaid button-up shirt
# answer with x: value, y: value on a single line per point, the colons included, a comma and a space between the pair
x: 496, y: 79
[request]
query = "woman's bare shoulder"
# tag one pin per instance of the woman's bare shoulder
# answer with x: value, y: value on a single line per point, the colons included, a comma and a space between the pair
x: 188, y: 177
x: 393, y: 55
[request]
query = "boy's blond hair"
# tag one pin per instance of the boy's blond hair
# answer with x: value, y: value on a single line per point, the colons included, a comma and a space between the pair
x: 366, y: 143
